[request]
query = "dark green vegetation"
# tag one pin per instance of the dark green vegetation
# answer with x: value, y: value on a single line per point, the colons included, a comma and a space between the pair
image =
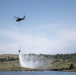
x: 60, y: 62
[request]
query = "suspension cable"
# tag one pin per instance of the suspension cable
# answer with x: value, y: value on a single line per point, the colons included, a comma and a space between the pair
x: 19, y: 38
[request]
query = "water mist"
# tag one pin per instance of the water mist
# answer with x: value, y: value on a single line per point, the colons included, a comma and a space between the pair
x: 33, y: 61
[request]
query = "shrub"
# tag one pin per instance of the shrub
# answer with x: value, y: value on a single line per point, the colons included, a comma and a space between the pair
x: 71, y: 66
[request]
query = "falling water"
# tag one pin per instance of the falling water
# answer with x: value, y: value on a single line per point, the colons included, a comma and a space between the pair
x: 33, y: 61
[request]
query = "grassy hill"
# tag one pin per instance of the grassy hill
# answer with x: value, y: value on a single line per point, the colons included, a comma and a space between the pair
x: 10, y: 62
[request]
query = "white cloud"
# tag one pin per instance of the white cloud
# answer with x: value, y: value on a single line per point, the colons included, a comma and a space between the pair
x: 41, y: 42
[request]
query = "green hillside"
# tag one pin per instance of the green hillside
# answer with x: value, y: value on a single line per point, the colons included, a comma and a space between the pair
x: 10, y: 62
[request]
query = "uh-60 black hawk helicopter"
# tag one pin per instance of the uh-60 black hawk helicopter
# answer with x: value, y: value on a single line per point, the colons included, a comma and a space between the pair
x: 18, y: 19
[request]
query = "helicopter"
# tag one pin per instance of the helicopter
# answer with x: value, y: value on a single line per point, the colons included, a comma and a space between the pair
x: 18, y: 19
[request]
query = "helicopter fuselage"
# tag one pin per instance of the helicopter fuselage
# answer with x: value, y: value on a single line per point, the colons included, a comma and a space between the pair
x: 19, y: 19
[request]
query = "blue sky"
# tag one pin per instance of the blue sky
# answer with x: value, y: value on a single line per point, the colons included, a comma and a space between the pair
x: 49, y: 28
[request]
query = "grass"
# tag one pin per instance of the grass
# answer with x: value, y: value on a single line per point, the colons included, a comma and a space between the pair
x: 14, y: 65
x: 63, y: 63
x: 9, y: 65
x: 9, y: 55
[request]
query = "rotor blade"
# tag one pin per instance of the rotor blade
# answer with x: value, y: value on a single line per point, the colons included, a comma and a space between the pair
x: 16, y: 17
